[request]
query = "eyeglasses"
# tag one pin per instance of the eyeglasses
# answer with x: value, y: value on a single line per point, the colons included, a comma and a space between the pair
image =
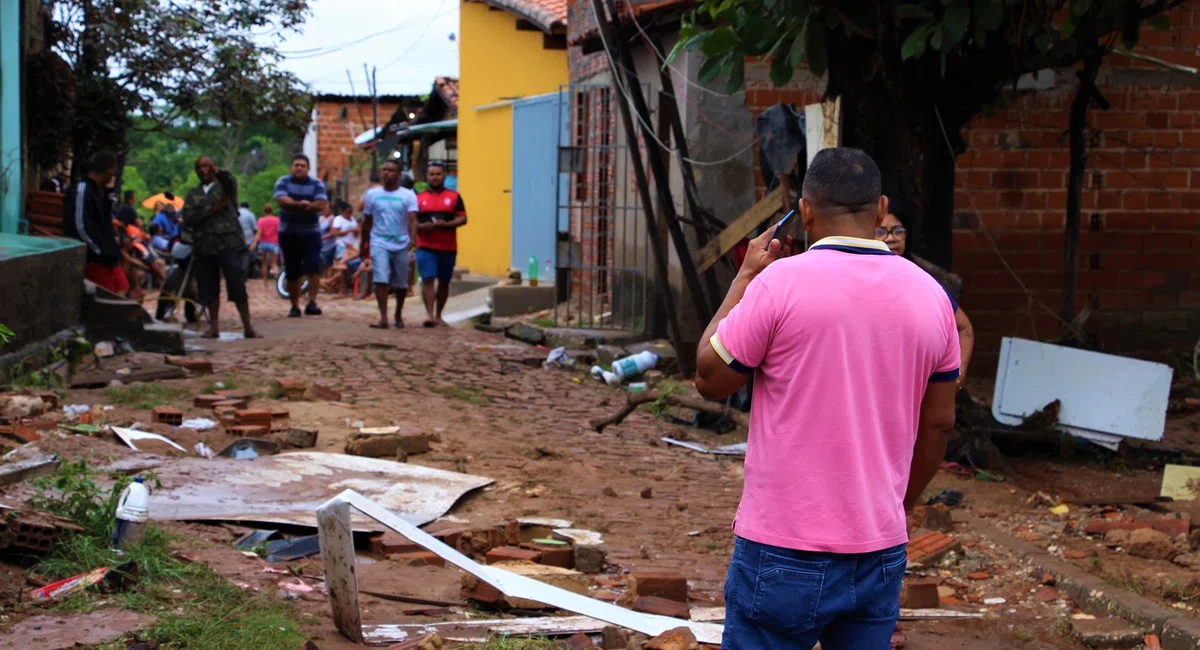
x: 897, y: 232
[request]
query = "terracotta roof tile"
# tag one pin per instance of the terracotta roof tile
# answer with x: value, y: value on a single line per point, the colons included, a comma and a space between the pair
x: 548, y: 15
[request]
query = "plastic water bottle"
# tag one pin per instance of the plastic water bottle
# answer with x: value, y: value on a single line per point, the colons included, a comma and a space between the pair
x: 133, y: 510
x: 548, y: 271
x: 634, y: 365
x: 533, y: 271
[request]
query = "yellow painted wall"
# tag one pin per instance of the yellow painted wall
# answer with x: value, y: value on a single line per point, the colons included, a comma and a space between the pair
x: 496, y: 62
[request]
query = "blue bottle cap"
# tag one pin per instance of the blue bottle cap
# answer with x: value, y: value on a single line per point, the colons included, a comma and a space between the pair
x: 138, y: 479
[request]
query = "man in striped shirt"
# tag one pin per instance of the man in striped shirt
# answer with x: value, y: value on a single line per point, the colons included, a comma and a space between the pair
x: 301, y: 198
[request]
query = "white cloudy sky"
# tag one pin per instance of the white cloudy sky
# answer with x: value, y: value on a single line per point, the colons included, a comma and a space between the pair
x: 408, y: 41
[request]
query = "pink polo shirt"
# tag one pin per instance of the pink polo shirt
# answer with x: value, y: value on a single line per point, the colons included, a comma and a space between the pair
x: 843, y: 341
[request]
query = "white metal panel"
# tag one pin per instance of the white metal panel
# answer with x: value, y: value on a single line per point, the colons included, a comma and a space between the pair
x: 1103, y: 396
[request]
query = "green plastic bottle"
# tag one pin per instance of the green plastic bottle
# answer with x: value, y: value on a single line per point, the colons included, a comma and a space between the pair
x: 533, y: 271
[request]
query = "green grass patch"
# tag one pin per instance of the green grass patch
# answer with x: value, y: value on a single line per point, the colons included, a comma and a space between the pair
x: 196, y: 608
x: 144, y: 395
x: 543, y: 322
x: 469, y: 395
x: 514, y: 643
x: 227, y: 382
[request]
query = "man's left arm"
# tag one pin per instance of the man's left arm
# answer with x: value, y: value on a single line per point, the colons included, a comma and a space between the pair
x: 460, y: 215
x: 320, y: 198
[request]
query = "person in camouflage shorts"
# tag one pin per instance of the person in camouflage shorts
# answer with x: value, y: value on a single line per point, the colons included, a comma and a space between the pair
x: 210, y: 218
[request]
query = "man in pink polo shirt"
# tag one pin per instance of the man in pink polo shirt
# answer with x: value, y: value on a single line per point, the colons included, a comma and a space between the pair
x: 854, y: 353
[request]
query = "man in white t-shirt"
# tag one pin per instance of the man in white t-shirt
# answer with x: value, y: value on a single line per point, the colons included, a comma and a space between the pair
x: 390, y: 229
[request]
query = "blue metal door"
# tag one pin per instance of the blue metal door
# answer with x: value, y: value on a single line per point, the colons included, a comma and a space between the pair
x: 535, y: 181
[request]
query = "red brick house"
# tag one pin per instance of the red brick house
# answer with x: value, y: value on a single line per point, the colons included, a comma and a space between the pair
x: 342, y: 165
x: 1140, y: 240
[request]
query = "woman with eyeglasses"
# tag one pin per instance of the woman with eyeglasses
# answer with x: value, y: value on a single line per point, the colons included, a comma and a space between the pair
x: 893, y: 233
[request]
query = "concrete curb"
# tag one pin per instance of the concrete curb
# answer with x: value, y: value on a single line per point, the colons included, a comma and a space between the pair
x: 1097, y: 597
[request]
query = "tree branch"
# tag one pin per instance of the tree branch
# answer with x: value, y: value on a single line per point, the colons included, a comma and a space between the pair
x: 634, y: 400
x: 1079, y: 46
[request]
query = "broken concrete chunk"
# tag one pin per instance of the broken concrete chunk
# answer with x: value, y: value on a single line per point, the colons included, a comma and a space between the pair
x: 1189, y: 560
x: 527, y: 333
x: 1150, y: 544
x: 300, y: 438
x: 1116, y: 537
x: 387, y: 445
x: 680, y: 638
x: 590, y: 551
x: 1107, y: 632
x: 580, y: 641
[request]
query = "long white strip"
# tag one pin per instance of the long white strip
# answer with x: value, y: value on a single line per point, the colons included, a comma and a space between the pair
x: 511, y: 584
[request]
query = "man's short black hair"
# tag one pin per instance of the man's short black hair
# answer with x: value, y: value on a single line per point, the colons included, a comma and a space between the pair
x: 436, y: 163
x: 245, y: 204
x: 842, y: 177
x: 169, y: 196
x: 393, y: 161
x: 128, y: 195
x: 102, y: 161
x: 303, y: 157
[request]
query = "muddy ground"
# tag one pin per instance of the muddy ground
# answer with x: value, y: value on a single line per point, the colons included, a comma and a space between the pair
x: 527, y: 429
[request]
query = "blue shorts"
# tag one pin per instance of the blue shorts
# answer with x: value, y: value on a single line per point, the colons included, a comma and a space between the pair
x: 389, y: 267
x: 268, y: 247
x: 783, y: 598
x: 436, y: 264
x: 301, y: 252
x: 328, y: 256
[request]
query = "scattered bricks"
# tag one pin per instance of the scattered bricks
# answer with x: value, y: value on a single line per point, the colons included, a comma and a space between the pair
x: 32, y: 531
x: 1076, y: 555
x: 580, y: 641
x: 198, y: 366
x: 20, y: 432
x: 1046, y: 594
x: 1108, y: 632
x: 419, y: 558
x: 260, y: 417
x: 681, y: 638
x: 322, y: 391
x: 430, y: 641
x: 614, y: 638
x: 475, y: 589
x: 664, y: 584
x: 231, y: 403
x: 978, y: 575
x: 293, y: 390
x: 280, y: 414
x: 1176, y: 526
x: 512, y: 533
x: 206, y: 401
x: 559, y: 555
x: 247, y: 430
x: 387, y: 445
x: 935, y: 517
x: 512, y: 554
x: 168, y: 415
x: 930, y: 547
x: 473, y: 542
x: 661, y: 607
x: 919, y: 594
x: 235, y: 394
x: 1150, y: 544
x: 391, y: 543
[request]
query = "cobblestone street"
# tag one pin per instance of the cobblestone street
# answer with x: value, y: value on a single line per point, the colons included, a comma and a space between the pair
x: 527, y: 428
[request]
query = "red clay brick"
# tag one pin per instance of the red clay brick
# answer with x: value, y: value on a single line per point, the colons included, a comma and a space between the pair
x: 664, y: 584
x: 662, y: 607
x: 512, y: 554
x: 419, y: 558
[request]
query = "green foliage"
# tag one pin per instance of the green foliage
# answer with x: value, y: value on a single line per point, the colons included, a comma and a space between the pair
x: 790, y: 33
x: 6, y: 335
x: 73, y: 493
x: 163, y: 160
x: 144, y: 395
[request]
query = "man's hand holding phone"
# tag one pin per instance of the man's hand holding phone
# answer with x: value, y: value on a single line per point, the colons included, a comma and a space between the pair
x: 765, y: 249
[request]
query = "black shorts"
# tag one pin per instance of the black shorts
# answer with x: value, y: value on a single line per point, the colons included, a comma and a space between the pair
x: 210, y: 268
x: 301, y: 253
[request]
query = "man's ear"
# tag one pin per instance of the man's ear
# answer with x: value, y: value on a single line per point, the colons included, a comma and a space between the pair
x: 883, y: 210
x: 808, y: 214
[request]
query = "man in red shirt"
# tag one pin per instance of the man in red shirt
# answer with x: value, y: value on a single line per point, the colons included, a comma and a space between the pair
x: 440, y: 213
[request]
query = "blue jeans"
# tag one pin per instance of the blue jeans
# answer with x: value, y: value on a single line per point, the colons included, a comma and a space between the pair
x: 778, y: 598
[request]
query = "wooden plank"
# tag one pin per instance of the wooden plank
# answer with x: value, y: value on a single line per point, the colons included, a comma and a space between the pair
x: 738, y: 229
x: 337, y: 555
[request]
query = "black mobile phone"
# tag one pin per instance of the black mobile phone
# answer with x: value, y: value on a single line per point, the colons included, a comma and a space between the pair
x: 783, y: 228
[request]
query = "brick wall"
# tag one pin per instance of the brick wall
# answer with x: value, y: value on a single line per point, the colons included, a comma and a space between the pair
x: 336, y: 151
